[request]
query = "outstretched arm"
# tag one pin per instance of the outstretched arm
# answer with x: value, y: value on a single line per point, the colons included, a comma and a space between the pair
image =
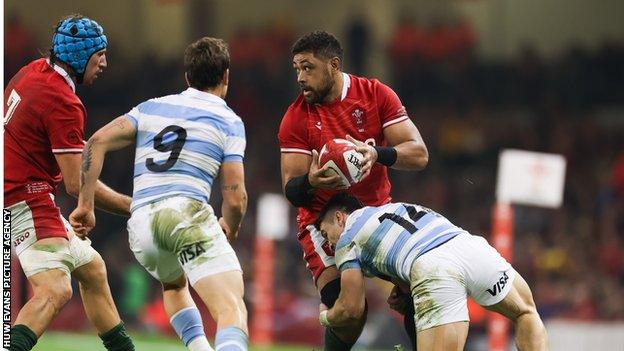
x: 106, y: 199
x: 116, y: 135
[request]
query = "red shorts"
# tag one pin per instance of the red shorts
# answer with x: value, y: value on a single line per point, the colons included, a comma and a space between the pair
x: 317, y: 252
x: 34, y: 219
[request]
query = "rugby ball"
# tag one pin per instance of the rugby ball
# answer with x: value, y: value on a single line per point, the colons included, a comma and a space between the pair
x: 340, y: 157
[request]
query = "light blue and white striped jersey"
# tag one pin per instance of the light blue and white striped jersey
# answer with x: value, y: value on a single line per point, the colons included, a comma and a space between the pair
x: 385, y: 240
x: 181, y: 142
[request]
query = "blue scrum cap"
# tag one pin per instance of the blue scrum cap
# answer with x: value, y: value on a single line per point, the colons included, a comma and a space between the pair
x: 75, y: 40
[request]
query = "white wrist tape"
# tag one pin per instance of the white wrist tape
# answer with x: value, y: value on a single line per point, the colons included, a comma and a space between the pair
x: 323, y: 319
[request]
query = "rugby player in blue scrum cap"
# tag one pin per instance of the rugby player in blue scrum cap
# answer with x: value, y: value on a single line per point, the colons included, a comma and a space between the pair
x: 75, y: 40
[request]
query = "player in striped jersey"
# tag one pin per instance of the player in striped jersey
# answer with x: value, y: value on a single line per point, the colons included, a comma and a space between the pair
x: 183, y: 142
x: 441, y: 264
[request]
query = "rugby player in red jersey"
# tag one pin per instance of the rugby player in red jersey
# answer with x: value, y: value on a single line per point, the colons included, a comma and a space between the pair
x: 43, y: 140
x: 334, y: 104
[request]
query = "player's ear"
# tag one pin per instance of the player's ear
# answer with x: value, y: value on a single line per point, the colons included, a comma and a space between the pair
x: 335, y: 63
x: 226, y: 77
x: 341, y: 218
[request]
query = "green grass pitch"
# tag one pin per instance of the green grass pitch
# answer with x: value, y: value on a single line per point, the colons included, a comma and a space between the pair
x: 60, y: 341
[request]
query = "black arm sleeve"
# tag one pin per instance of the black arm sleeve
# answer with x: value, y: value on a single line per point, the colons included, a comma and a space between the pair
x: 299, y: 191
x: 386, y: 155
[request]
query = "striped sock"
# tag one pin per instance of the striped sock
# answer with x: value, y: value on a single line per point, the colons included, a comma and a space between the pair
x: 231, y: 339
x: 188, y: 324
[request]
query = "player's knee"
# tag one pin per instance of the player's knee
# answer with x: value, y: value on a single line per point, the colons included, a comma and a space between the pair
x: 235, y: 304
x: 523, y: 308
x: 235, y: 309
x: 93, y: 275
x: 57, y: 294
x: 530, y: 321
x: 528, y: 310
x: 523, y: 312
x: 98, y: 270
x: 242, y: 310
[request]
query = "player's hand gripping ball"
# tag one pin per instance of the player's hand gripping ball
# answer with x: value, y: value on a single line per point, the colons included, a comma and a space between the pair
x: 340, y: 157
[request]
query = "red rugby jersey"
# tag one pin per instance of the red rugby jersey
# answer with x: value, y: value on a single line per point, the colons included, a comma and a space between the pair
x: 366, y: 107
x: 43, y: 116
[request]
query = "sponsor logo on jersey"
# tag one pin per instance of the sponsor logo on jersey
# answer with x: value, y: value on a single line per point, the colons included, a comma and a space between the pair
x: 191, y: 252
x: 499, y: 286
x: 318, y: 125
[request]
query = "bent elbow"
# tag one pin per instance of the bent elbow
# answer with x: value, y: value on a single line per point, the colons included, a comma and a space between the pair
x: 420, y: 157
x: 354, y: 313
x: 422, y: 161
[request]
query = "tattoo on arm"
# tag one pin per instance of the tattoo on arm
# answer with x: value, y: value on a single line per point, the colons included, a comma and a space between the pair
x: 117, y: 123
x: 86, y: 162
x: 233, y: 187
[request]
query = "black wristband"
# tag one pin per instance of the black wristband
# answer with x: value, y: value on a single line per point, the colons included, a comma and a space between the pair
x: 386, y: 155
x: 298, y: 191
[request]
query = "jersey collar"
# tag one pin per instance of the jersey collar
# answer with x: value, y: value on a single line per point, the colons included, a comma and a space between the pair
x: 202, y: 95
x: 63, y: 74
x: 346, y: 83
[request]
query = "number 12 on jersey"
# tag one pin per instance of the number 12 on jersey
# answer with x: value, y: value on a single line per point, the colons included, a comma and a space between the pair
x: 407, y: 225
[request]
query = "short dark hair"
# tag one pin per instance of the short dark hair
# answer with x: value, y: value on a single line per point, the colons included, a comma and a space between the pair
x: 341, y: 201
x: 320, y: 43
x: 205, y: 62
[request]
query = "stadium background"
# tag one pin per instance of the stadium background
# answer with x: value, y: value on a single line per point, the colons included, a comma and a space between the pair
x: 476, y: 76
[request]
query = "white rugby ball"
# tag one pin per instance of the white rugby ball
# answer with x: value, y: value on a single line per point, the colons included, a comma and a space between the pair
x: 341, y: 158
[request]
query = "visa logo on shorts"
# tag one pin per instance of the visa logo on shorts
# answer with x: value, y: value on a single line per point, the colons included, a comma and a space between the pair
x: 191, y: 252
x: 499, y: 286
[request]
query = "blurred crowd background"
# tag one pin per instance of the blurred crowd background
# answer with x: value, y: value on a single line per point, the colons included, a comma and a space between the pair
x: 470, y: 91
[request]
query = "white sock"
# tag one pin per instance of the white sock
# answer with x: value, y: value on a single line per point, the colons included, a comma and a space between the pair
x: 200, y: 343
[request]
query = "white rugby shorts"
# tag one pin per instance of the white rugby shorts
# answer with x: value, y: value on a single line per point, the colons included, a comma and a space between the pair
x: 180, y: 235
x: 30, y: 222
x: 443, y: 278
